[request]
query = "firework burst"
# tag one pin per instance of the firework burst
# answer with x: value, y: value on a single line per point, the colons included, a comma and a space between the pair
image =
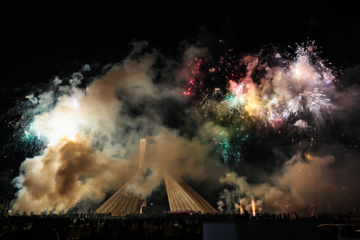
x: 235, y: 95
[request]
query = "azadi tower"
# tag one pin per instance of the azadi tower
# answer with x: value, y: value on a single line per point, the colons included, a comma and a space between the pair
x: 181, y: 196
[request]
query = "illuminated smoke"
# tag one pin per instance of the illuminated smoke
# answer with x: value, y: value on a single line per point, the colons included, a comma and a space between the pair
x: 301, y: 186
x: 86, y: 152
x: 91, y: 138
x: 301, y: 124
x: 66, y: 173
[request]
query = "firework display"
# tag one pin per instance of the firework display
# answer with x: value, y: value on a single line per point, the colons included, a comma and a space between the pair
x: 226, y: 110
x: 248, y: 95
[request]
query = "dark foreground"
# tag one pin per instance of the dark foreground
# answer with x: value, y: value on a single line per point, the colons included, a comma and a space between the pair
x: 163, y: 226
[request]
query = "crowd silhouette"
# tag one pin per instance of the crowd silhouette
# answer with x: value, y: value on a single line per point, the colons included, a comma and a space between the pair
x: 134, y: 226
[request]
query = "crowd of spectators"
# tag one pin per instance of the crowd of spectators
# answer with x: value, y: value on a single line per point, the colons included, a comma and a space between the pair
x: 130, y: 226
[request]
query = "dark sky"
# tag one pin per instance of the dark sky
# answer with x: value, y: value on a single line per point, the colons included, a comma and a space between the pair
x: 41, y: 39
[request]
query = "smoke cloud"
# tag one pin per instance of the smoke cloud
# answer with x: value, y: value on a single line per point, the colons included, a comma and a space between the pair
x: 320, y: 184
x: 283, y: 107
x: 93, y: 137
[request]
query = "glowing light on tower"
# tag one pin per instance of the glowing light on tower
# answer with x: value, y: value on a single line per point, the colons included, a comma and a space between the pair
x: 240, y: 207
x: 253, y: 206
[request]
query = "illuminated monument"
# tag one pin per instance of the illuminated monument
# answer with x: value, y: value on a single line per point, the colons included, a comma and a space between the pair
x: 181, y: 197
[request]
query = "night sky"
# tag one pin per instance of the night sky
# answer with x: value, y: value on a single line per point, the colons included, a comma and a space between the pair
x: 41, y: 39
x: 44, y: 39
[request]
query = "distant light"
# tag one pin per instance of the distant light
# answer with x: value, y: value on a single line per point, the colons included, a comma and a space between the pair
x: 86, y: 68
